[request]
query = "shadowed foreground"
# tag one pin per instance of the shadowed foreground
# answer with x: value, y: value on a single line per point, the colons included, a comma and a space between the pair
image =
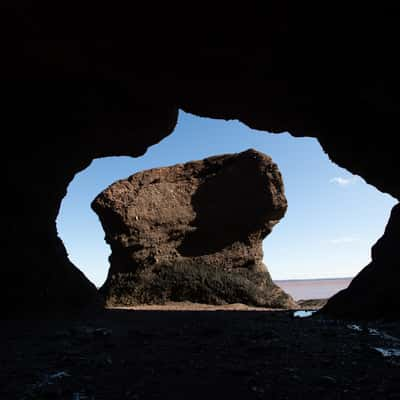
x: 195, y: 355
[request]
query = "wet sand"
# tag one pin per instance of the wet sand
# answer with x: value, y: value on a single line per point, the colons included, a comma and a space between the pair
x: 304, y: 289
x: 196, y: 351
x: 189, y: 306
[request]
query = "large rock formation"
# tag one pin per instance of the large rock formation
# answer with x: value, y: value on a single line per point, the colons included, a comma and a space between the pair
x: 279, y: 66
x: 193, y: 232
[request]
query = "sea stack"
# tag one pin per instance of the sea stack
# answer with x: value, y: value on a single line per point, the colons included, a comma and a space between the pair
x: 193, y: 232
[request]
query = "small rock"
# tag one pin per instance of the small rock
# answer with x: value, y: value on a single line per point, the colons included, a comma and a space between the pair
x: 328, y: 380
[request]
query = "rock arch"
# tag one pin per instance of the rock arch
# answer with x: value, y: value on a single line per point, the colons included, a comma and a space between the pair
x: 66, y: 102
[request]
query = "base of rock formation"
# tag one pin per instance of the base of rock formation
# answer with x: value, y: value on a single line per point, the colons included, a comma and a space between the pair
x: 205, y: 284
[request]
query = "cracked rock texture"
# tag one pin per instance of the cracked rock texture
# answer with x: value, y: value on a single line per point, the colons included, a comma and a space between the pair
x: 193, y: 232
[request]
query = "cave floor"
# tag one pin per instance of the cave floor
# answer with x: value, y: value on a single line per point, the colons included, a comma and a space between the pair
x: 154, y: 354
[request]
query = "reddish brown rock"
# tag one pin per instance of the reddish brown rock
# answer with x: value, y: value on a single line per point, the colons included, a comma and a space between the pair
x: 193, y: 232
x: 66, y: 102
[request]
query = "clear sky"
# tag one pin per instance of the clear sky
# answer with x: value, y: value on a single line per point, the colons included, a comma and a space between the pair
x: 333, y: 217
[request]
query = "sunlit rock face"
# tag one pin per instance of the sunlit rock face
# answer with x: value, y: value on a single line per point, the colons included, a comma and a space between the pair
x: 193, y: 232
x: 333, y: 76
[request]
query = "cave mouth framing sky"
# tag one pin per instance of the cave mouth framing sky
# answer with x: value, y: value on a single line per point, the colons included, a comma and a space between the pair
x: 333, y: 217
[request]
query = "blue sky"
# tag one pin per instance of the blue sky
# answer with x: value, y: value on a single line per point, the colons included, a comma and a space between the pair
x: 333, y: 217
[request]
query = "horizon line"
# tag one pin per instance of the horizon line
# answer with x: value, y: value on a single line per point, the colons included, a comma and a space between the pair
x: 313, y: 279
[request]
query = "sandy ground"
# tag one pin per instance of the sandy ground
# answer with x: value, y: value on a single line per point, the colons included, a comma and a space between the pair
x: 195, y: 353
x: 188, y: 306
x: 312, y: 304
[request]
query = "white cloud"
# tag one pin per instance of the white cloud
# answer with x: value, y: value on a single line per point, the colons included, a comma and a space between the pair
x: 344, y: 239
x: 343, y: 181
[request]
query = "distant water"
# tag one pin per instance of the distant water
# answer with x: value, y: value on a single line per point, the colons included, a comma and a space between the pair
x: 304, y: 289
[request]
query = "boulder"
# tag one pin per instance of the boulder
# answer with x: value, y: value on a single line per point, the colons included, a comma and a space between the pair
x: 193, y: 232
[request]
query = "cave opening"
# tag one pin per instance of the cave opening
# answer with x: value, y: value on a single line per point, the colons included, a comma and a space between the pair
x: 333, y: 217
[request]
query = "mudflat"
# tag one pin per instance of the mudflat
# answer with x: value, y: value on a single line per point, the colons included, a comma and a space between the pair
x: 305, y: 289
x: 236, y: 353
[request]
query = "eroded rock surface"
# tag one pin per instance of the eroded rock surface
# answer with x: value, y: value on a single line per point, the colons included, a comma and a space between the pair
x: 193, y: 232
x: 66, y: 102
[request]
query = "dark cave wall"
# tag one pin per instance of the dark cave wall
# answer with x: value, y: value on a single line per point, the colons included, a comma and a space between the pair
x: 374, y: 292
x: 330, y: 74
x: 45, y: 153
